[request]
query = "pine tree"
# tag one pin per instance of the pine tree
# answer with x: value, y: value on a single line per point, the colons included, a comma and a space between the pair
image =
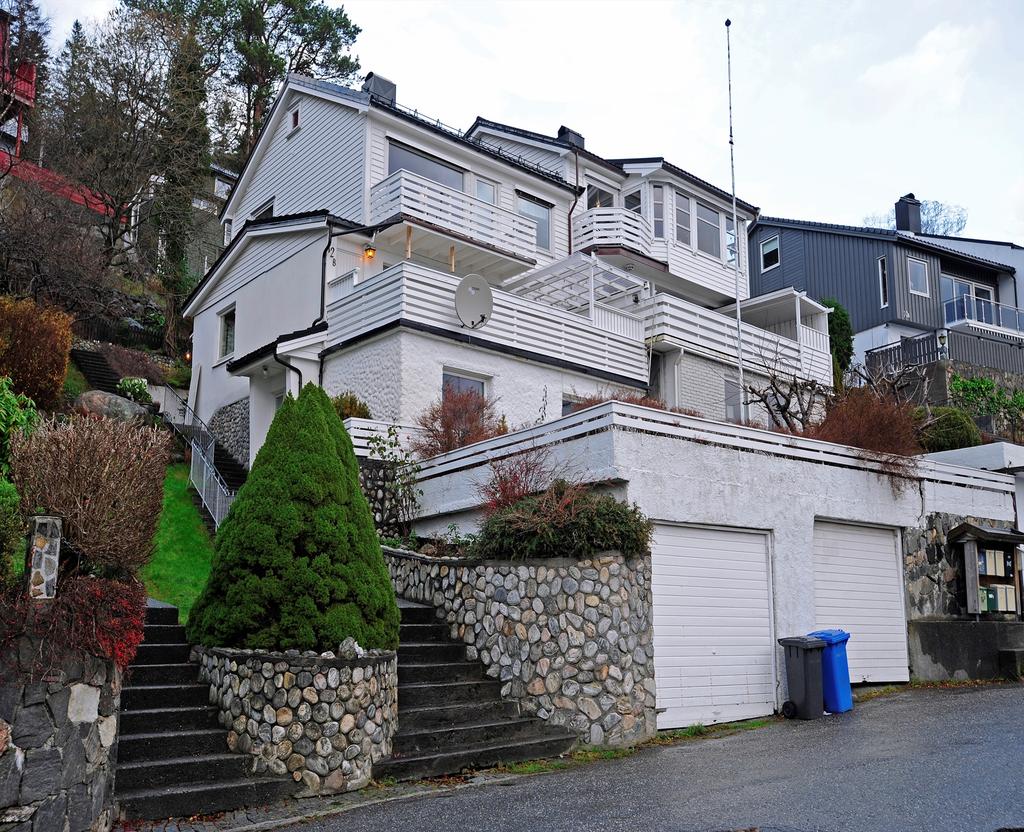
x: 297, y: 563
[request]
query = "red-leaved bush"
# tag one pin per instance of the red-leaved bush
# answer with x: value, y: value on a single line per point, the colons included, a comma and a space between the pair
x: 521, y: 475
x: 633, y: 397
x: 458, y: 418
x: 89, y: 616
x: 34, y: 345
x: 129, y: 363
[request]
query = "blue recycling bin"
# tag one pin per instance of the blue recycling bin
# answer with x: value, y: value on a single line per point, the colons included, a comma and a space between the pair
x: 835, y: 671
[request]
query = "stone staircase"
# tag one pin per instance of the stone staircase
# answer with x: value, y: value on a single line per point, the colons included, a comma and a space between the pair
x: 172, y: 752
x: 450, y: 715
x: 96, y: 369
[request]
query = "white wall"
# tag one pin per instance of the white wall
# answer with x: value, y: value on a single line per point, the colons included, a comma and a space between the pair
x: 879, y: 336
x: 399, y: 375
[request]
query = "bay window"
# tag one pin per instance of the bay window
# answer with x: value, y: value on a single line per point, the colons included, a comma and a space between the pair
x: 658, y: 199
x: 682, y: 218
x: 709, y: 230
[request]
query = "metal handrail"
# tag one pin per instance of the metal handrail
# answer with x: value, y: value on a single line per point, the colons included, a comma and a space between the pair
x: 979, y: 310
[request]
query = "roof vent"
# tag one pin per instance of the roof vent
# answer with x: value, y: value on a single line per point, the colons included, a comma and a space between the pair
x: 571, y: 137
x: 380, y: 87
x: 908, y: 214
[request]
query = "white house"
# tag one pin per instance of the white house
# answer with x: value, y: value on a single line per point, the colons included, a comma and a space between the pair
x: 355, y: 219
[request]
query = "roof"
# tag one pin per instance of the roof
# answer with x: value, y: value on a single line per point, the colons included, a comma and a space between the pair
x: 54, y: 183
x: 904, y: 237
x: 268, y: 350
x: 675, y: 170
x: 541, y: 137
x: 1006, y: 243
x: 282, y: 221
x: 985, y: 533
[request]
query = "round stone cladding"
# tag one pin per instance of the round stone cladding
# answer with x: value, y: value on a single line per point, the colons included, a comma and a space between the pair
x: 572, y: 641
x: 322, y: 720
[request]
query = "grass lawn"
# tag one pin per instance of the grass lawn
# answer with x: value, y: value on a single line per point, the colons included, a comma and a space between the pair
x: 74, y: 382
x: 181, y: 559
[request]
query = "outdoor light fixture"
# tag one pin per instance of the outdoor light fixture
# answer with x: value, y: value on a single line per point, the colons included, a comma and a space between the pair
x: 942, y: 340
x: 188, y: 356
x: 370, y: 250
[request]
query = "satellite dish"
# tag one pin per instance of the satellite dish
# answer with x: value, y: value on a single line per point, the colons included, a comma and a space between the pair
x: 474, y: 302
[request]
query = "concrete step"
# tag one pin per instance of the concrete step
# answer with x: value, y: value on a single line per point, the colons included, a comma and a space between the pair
x: 178, y: 673
x: 464, y: 734
x: 448, y: 693
x: 463, y: 671
x: 194, y: 768
x: 423, y: 634
x: 163, y: 745
x: 142, y: 697
x: 423, y: 653
x: 416, y: 613
x: 434, y: 763
x: 433, y: 716
x: 203, y: 798
x: 161, y: 654
x: 157, y: 613
x: 187, y: 718
x: 164, y: 634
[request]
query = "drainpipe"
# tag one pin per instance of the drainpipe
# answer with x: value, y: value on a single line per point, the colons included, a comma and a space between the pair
x: 288, y: 367
x: 576, y: 199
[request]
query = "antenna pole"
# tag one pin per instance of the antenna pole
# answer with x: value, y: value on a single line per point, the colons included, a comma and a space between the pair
x: 735, y: 223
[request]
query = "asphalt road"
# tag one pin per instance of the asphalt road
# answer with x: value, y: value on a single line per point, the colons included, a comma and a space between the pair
x: 928, y: 760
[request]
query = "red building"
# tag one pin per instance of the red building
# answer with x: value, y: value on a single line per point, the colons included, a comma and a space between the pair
x: 17, y: 86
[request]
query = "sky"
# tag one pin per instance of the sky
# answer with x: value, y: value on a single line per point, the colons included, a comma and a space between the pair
x: 839, y: 107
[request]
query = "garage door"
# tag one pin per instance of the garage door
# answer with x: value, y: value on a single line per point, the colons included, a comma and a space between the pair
x: 713, y: 651
x: 858, y: 587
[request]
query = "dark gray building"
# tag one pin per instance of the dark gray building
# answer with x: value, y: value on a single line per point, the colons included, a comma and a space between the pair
x: 911, y: 297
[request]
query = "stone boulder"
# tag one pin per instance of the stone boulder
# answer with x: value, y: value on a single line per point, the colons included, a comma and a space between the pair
x: 99, y: 405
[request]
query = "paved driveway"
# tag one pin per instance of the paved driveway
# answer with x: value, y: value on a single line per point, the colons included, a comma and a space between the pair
x: 928, y: 760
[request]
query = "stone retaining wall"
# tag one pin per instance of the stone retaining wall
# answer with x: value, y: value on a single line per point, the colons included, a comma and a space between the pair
x: 58, y: 741
x: 323, y: 720
x: 230, y: 424
x: 572, y: 641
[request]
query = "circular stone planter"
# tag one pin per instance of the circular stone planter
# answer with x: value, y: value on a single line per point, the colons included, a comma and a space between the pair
x: 322, y: 720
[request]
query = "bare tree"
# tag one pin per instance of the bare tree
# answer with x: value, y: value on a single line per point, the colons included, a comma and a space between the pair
x: 940, y: 218
x: 793, y: 404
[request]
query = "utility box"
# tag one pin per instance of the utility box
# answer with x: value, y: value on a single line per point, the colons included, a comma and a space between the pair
x: 992, y: 568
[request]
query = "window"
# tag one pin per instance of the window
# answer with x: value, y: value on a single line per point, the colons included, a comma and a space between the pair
x: 883, y: 282
x: 658, y: 198
x: 709, y: 230
x: 404, y: 158
x: 541, y: 213
x: 227, y: 333
x: 730, y: 242
x: 632, y: 202
x: 486, y: 191
x: 294, y: 119
x: 770, y: 253
x: 227, y: 231
x: 569, y: 405
x: 598, y: 197
x: 917, y: 274
x: 682, y: 218
x: 735, y: 409
x: 265, y: 211
x: 454, y: 383
x: 221, y: 188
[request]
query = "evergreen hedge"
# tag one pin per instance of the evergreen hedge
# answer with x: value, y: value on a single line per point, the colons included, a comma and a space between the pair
x: 297, y: 562
x: 951, y: 429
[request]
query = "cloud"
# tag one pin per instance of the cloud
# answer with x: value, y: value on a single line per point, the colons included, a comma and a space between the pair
x: 936, y: 70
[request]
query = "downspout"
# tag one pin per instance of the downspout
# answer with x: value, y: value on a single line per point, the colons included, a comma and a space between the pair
x: 288, y: 366
x: 576, y: 199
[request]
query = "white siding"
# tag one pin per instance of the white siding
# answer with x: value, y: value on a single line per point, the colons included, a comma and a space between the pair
x: 858, y: 587
x: 319, y: 166
x: 713, y: 646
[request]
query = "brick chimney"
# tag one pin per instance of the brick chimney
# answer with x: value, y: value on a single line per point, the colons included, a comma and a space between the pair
x: 908, y: 214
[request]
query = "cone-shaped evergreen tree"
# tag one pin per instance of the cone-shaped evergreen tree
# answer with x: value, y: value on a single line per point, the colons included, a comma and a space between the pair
x: 297, y: 562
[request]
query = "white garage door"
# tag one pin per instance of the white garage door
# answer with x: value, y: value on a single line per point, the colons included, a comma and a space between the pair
x: 713, y: 649
x: 858, y: 587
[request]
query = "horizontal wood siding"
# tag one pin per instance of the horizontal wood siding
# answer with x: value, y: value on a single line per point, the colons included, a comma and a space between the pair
x: 320, y: 166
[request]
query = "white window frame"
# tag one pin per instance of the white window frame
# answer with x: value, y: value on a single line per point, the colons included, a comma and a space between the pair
x: 744, y: 406
x: 294, y: 121
x: 227, y: 232
x: 259, y: 209
x: 521, y: 197
x: 678, y: 198
x: 720, y: 257
x: 218, y: 182
x: 640, y: 207
x: 778, y: 250
x: 883, y: 281
x: 927, y: 279
x: 465, y: 375
x: 485, y: 181
x: 658, y: 203
x: 221, y: 332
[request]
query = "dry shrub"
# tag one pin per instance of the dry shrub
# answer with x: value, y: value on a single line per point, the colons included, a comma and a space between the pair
x: 34, y: 346
x: 521, y: 475
x: 633, y: 397
x: 129, y: 363
x: 881, y: 427
x: 104, y: 478
x: 459, y: 418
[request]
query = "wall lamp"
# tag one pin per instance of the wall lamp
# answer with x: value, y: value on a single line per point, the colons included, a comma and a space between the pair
x: 369, y: 251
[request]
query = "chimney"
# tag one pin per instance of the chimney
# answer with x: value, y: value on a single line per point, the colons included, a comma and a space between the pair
x: 908, y: 214
x: 380, y: 87
x: 570, y: 137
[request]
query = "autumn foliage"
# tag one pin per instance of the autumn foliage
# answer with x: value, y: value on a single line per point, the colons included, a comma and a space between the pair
x: 34, y: 345
x: 457, y: 419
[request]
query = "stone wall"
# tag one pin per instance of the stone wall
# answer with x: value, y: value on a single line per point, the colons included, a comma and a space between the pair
x: 58, y: 741
x: 933, y: 571
x: 571, y: 641
x: 230, y: 424
x: 323, y: 720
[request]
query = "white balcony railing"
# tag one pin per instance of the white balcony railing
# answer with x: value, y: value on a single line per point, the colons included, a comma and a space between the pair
x: 612, y: 227
x: 611, y: 342
x: 714, y: 334
x: 430, y: 202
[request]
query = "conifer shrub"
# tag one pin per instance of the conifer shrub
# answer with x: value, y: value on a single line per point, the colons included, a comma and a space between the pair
x: 567, y: 520
x: 297, y: 562
x: 349, y: 406
x: 948, y: 429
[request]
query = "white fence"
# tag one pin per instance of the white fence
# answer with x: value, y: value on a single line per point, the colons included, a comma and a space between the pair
x: 216, y: 496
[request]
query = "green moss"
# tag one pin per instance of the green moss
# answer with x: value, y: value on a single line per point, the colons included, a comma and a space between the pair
x: 182, y: 550
x: 74, y: 383
x: 297, y: 563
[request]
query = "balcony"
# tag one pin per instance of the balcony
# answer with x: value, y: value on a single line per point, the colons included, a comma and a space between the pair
x: 803, y: 352
x: 608, y: 227
x: 444, y: 217
x: 969, y: 311
x: 599, y: 338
